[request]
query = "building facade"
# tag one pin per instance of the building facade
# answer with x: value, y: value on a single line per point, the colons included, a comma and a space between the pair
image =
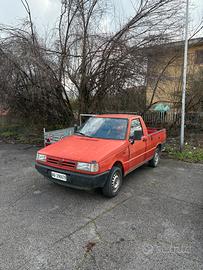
x: 164, y: 76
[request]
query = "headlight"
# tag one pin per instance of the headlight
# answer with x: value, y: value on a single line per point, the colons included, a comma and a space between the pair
x: 90, y: 167
x: 41, y: 157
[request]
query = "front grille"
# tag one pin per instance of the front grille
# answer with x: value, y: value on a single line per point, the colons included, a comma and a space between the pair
x: 61, y: 162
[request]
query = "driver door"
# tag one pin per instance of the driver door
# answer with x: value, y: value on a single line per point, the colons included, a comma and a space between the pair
x: 138, y: 148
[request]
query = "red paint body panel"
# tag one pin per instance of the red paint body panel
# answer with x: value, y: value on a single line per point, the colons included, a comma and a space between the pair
x: 67, y: 152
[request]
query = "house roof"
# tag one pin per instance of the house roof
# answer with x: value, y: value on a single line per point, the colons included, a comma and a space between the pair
x: 191, y: 42
x: 3, y: 111
x: 175, y: 45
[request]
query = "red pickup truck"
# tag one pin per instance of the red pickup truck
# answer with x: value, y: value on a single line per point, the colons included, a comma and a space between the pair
x: 101, y: 152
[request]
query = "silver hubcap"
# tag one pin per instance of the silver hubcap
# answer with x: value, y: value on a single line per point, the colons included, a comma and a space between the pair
x: 156, y: 158
x: 115, y: 182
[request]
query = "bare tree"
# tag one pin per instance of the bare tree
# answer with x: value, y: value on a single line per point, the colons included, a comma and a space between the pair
x: 100, y: 63
x: 84, y: 63
x: 35, y: 88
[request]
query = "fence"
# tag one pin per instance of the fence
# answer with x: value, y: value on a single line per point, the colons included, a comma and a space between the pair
x: 192, y: 120
x: 159, y: 119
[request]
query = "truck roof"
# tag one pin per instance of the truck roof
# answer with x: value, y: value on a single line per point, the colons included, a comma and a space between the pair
x: 128, y: 116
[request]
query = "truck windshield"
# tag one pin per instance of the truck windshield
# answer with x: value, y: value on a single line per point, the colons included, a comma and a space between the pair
x: 105, y: 128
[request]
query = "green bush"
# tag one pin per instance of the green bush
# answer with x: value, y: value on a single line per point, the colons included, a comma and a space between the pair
x: 21, y: 134
x: 189, y: 153
x: 8, y: 134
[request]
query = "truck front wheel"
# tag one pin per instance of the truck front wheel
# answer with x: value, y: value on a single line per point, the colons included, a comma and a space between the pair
x: 113, y: 183
x: 155, y: 160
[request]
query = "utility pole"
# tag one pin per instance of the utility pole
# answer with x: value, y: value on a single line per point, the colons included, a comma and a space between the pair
x: 182, y: 135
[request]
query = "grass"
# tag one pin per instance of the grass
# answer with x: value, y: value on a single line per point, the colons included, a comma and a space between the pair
x: 21, y: 134
x: 8, y: 134
x: 189, y: 154
x: 24, y: 132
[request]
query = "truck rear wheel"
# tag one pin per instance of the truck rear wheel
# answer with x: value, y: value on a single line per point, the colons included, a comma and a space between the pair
x: 113, y: 183
x: 155, y: 160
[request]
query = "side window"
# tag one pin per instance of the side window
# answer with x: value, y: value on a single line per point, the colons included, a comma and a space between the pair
x: 199, y: 57
x: 136, y: 129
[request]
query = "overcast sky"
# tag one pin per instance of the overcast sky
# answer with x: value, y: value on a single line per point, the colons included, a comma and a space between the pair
x: 45, y: 12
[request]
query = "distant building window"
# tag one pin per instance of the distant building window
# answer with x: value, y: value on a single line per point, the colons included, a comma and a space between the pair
x: 199, y: 57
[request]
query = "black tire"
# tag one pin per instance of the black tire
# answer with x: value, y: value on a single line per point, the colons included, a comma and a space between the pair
x: 155, y: 160
x: 113, y: 183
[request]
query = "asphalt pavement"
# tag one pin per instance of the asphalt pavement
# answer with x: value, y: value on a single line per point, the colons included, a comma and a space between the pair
x: 156, y: 222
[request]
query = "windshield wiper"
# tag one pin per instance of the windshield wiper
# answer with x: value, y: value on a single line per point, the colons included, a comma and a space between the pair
x: 80, y: 133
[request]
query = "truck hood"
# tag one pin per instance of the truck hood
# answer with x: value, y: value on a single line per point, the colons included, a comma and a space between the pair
x: 78, y: 148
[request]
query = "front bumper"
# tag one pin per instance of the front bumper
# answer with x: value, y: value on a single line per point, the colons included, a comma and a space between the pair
x: 76, y: 180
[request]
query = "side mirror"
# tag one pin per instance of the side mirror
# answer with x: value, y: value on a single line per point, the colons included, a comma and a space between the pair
x: 132, y: 139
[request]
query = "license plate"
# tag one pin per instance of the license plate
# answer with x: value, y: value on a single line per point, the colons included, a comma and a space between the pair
x: 59, y: 176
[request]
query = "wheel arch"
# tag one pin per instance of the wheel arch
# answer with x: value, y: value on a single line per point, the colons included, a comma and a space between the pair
x: 159, y: 146
x: 119, y: 164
